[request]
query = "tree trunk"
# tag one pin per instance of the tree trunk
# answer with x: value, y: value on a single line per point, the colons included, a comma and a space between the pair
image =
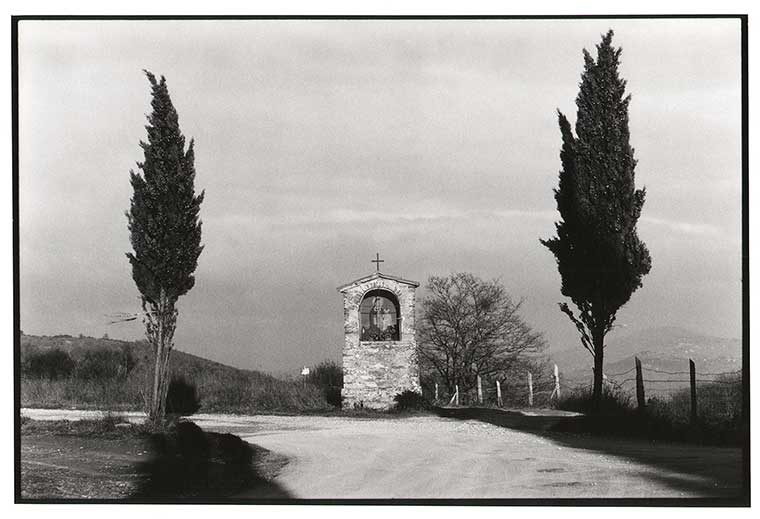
x: 596, y: 398
x: 160, y: 326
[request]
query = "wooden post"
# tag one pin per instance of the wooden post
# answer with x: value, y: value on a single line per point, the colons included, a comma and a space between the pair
x: 436, y: 391
x: 499, y: 402
x: 556, y: 381
x: 530, y: 389
x: 693, y: 383
x: 555, y: 392
x: 639, y: 385
x: 455, y: 398
x: 480, y: 391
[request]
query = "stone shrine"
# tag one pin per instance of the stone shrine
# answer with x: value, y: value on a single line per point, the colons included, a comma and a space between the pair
x: 379, y: 353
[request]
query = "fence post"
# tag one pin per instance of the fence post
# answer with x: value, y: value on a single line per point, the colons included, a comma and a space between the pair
x: 480, y: 391
x: 530, y: 389
x: 555, y: 392
x: 639, y: 385
x: 693, y: 383
x: 455, y: 397
x: 499, y: 401
x: 436, y: 391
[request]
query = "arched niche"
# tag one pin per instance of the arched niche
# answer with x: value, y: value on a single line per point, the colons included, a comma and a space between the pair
x: 379, y: 317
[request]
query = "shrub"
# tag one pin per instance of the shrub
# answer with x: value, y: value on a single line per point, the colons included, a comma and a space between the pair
x: 719, y: 420
x: 50, y: 364
x: 103, y: 364
x: 410, y: 401
x: 328, y: 377
x: 614, y: 402
x: 182, y: 397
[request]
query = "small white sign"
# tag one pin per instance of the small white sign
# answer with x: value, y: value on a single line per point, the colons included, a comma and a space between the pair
x: 305, y: 371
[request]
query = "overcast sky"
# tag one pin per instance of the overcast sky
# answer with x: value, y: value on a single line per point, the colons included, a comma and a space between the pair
x: 319, y: 143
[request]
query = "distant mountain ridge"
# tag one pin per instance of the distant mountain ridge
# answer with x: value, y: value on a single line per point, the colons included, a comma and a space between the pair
x: 662, y: 349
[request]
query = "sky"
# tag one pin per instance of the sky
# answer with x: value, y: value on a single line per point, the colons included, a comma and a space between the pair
x: 320, y: 143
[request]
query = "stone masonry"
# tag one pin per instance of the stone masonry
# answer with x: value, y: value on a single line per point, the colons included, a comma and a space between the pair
x: 375, y: 372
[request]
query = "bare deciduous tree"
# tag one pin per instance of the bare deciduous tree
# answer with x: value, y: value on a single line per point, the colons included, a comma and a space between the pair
x: 471, y: 327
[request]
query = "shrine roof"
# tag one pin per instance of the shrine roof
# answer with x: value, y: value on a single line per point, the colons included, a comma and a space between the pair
x: 377, y: 275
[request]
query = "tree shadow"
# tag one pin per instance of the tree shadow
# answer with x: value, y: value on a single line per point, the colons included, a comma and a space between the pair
x: 705, y: 471
x: 189, y: 465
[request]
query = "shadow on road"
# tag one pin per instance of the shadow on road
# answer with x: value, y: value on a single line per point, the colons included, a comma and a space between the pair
x: 188, y: 464
x: 694, y: 469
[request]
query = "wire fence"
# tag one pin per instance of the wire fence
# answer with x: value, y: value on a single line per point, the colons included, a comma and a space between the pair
x: 689, y: 395
x: 689, y: 392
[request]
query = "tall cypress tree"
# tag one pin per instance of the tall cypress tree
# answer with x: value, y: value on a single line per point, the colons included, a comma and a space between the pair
x: 165, y: 232
x: 599, y: 255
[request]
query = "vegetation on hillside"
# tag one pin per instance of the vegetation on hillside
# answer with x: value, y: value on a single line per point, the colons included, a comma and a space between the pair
x: 110, y: 374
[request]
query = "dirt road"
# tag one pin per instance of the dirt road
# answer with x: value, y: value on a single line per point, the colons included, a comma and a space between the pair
x: 432, y: 457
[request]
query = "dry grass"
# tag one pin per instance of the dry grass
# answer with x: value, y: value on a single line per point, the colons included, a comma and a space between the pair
x: 220, y: 388
x: 719, y: 414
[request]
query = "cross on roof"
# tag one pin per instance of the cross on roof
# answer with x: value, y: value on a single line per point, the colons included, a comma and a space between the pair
x: 377, y: 261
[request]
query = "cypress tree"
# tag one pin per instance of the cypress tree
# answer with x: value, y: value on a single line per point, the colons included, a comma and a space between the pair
x: 165, y: 232
x: 599, y: 255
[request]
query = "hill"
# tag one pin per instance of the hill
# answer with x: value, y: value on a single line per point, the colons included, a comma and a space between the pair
x: 114, y: 373
x: 663, y: 349
x: 184, y: 363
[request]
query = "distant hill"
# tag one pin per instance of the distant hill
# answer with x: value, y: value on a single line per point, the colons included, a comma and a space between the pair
x: 183, y: 362
x: 662, y: 349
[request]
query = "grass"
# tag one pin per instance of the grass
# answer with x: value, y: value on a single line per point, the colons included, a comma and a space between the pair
x: 110, y: 459
x: 719, y: 417
x: 119, y: 381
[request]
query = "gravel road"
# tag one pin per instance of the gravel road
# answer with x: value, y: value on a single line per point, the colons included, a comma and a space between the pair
x: 432, y: 457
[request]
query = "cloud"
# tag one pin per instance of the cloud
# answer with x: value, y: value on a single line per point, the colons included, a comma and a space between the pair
x: 320, y: 143
x: 691, y: 228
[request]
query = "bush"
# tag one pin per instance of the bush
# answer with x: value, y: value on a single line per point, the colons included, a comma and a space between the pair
x: 410, y: 401
x: 614, y: 402
x: 103, y: 364
x: 719, y: 420
x: 182, y: 397
x: 50, y: 364
x: 328, y: 377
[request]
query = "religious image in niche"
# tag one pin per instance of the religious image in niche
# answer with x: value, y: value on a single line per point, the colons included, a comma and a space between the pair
x: 378, y: 315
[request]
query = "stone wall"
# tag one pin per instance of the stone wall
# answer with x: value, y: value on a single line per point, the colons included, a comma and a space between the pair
x: 374, y: 372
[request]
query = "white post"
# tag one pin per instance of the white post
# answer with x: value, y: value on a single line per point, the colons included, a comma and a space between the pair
x: 436, y: 391
x: 455, y: 399
x: 530, y: 389
x: 498, y: 394
x: 480, y: 391
x: 555, y: 392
